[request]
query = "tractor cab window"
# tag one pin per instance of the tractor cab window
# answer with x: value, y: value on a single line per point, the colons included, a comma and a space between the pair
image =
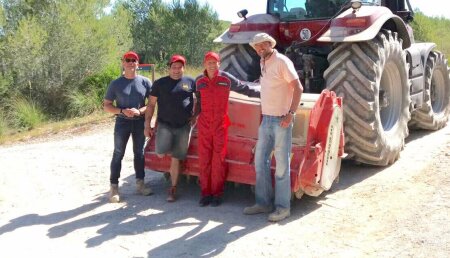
x: 372, y: 2
x: 287, y: 9
x: 294, y: 10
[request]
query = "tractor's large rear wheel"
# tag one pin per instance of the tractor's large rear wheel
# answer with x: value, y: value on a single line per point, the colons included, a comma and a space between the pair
x: 372, y: 78
x: 434, y: 113
x: 241, y: 61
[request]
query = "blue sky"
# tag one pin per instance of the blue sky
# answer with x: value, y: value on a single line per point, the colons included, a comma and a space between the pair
x: 227, y: 9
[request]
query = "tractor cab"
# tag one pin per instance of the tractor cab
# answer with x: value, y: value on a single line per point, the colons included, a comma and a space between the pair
x: 293, y: 10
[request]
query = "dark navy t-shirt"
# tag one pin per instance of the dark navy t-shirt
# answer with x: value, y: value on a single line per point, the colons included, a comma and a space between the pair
x: 129, y: 93
x: 175, y: 100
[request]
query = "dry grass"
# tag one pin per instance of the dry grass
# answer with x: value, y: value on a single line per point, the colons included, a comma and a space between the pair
x: 97, y: 117
x: 188, y: 71
x: 55, y: 127
x: 193, y: 71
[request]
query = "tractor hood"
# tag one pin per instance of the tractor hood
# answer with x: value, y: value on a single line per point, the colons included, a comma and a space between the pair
x: 243, y: 32
x: 363, y: 25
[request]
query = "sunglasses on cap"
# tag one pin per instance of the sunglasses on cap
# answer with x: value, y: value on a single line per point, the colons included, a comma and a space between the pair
x: 130, y: 60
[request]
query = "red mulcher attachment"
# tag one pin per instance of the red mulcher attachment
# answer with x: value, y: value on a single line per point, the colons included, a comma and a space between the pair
x: 318, y: 144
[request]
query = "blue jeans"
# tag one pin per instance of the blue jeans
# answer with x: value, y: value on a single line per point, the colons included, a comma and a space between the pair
x: 271, y: 136
x: 122, y: 131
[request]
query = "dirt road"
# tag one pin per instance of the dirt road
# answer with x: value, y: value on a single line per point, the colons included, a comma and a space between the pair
x: 53, y: 203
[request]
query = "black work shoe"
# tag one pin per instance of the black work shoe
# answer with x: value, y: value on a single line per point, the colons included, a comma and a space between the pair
x: 205, y: 200
x: 216, y: 201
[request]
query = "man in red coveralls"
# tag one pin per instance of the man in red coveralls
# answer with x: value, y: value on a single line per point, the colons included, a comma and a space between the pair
x: 212, y: 92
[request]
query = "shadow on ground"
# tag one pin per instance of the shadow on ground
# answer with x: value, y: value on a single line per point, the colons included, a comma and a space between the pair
x: 141, y: 214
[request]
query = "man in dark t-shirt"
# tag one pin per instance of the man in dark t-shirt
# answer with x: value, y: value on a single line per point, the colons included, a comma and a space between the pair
x: 174, y: 95
x: 129, y: 93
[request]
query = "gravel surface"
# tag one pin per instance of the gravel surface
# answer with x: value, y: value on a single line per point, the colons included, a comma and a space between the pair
x: 53, y: 203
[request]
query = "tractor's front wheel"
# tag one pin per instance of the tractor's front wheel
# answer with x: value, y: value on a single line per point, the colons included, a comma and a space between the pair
x: 434, y: 113
x: 372, y: 78
x: 241, y: 61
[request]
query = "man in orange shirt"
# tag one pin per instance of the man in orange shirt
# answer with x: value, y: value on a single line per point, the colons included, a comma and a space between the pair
x: 280, y: 95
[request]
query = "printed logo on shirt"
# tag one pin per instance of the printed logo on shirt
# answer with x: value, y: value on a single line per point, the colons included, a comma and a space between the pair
x: 222, y: 83
x: 201, y: 85
x: 185, y: 87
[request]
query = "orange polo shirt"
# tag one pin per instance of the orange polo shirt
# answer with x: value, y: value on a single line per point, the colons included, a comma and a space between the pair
x: 276, y: 95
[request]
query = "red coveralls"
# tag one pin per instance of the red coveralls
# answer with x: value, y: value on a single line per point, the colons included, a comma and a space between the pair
x: 212, y: 128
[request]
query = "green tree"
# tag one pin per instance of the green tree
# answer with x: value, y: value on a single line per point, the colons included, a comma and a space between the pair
x: 198, y: 26
x: 53, y: 46
x: 2, y: 19
x: 25, y: 49
x: 160, y: 30
x: 432, y: 29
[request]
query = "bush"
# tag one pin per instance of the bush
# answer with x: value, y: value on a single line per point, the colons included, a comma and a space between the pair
x: 81, y: 104
x: 90, y: 93
x: 3, y: 125
x: 26, y: 114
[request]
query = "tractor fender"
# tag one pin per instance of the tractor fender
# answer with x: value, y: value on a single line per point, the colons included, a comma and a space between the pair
x: 243, y: 32
x: 417, y: 54
x: 425, y: 49
x: 364, y: 25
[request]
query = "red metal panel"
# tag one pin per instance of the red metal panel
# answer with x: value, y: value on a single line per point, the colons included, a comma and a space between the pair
x: 290, y: 31
x: 306, y: 161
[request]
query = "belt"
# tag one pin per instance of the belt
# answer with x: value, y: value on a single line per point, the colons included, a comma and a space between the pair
x: 130, y: 118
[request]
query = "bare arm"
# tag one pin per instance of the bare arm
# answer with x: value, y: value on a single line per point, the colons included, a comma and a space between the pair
x: 298, y: 90
x: 297, y: 94
x: 150, y: 110
x: 110, y: 108
x: 196, y: 110
x: 129, y: 112
x: 251, y: 89
x: 197, y: 107
x: 142, y: 110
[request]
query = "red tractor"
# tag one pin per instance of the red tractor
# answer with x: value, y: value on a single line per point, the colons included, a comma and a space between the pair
x: 363, y: 76
x: 366, y: 53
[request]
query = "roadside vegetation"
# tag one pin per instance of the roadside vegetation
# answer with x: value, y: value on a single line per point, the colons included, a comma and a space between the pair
x: 432, y: 29
x: 58, y: 57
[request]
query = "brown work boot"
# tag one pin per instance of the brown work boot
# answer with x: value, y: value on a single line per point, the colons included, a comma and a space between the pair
x: 114, y: 196
x: 279, y: 214
x: 172, y: 194
x: 142, y: 189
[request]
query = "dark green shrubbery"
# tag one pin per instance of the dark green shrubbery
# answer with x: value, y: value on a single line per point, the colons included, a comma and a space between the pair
x: 89, y: 96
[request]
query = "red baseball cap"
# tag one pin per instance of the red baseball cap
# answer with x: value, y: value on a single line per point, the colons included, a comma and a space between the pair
x: 131, y: 54
x: 177, y: 58
x: 212, y: 55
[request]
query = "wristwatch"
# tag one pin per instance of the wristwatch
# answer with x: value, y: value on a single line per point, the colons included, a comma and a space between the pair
x: 292, y: 112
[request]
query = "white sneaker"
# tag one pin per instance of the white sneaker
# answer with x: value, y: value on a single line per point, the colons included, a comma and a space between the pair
x: 279, y: 214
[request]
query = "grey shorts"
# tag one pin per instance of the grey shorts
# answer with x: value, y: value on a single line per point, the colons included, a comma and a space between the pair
x: 174, y: 141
